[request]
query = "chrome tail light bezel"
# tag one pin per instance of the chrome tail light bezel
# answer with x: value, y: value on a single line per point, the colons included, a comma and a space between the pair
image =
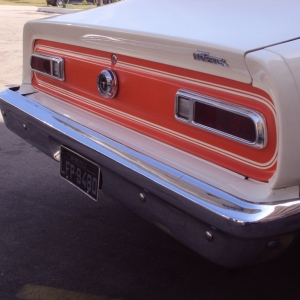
x: 59, y: 61
x: 257, y: 118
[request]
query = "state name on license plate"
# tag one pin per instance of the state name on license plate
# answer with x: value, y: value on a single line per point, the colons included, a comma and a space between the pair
x: 80, y: 171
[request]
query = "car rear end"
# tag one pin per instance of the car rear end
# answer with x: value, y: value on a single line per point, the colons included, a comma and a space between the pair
x: 195, y: 137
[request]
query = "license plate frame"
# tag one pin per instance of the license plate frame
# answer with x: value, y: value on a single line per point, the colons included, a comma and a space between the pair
x: 80, y: 172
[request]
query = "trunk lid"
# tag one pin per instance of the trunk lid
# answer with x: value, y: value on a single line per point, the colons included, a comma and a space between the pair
x: 173, y: 32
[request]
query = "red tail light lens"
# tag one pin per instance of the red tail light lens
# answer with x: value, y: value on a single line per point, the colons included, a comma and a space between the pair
x: 225, y: 121
x: 40, y: 64
x: 223, y: 118
x: 48, y: 65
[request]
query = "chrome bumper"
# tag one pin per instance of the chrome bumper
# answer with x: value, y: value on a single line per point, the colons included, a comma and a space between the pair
x: 215, y: 224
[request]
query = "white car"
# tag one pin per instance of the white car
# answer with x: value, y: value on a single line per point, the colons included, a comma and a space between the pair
x: 187, y: 112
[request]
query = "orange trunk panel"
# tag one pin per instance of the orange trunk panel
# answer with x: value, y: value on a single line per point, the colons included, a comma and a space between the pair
x: 146, y: 103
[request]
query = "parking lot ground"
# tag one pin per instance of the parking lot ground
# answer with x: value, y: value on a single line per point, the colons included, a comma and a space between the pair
x: 11, y: 39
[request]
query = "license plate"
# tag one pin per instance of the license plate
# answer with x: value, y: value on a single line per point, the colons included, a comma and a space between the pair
x: 80, y: 171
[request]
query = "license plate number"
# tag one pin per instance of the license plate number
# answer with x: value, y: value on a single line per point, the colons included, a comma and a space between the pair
x: 80, y: 171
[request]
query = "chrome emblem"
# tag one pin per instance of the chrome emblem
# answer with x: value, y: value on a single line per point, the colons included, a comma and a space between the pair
x: 204, y: 56
x: 107, y: 83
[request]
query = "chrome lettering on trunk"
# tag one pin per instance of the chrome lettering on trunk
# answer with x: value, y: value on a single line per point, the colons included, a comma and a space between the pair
x: 204, y: 56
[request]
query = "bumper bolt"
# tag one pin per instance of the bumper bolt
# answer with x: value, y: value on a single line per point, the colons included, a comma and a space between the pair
x: 273, y: 244
x: 209, y: 236
x: 142, y: 197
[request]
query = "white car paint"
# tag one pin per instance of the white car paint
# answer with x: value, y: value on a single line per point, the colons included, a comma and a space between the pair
x: 164, y: 32
x: 174, y: 43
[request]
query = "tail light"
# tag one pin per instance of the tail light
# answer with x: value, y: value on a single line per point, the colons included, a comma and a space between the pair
x: 48, y: 65
x: 223, y: 118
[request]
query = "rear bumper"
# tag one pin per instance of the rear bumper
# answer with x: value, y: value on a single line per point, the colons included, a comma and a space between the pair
x: 187, y: 208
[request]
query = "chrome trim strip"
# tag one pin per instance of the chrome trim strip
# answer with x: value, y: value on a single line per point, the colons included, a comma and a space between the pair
x: 47, y: 130
x: 257, y: 119
x: 58, y: 60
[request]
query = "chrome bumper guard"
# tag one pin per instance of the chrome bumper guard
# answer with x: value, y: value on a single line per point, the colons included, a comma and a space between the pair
x: 215, y: 224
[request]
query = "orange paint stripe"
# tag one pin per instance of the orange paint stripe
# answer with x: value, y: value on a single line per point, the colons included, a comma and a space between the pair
x: 147, y: 97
